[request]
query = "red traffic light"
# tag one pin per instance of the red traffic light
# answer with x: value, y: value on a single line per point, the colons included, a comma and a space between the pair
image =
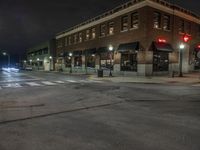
x: 186, y: 38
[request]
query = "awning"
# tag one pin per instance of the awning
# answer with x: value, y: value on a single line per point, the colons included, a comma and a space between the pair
x: 162, y: 47
x: 102, y: 50
x: 134, y: 46
x: 90, y: 51
x: 77, y: 53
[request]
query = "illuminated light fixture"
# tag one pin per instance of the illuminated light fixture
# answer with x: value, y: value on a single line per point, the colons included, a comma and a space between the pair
x: 70, y: 54
x: 198, y: 46
x: 186, y: 38
x: 50, y: 57
x: 161, y: 40
x: 93, y: 55
x: 38, y: 59
x: 110, y: 48
x: 181, y: 46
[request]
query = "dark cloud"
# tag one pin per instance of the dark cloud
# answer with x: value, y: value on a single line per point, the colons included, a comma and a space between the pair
x: 24, y: 23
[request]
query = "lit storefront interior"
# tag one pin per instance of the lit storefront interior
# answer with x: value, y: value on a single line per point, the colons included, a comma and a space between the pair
x: 129, y: 56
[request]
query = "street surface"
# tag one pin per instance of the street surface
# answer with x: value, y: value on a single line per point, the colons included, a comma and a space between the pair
x: 55, y: 111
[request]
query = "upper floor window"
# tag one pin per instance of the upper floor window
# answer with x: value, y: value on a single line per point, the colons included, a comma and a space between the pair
x: 87, y: 35
x: 66, y: 41
x: 93, y: 33
x: 103, y: 30
x: 59, y: 44
x: 199, y: 30
x: 80, y: 37
x: 124, y: 23
x: 181, y: 26
x: 135, y: 20
x: 157, y: 20
x: 70, y: 40
x: 188, y: 27
x: 111, y: 28
x: 166, y: 22
x: 75, y: 38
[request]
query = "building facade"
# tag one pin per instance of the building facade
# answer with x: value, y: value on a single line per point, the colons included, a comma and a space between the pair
x: 141, y: 37
x: 42, y: 56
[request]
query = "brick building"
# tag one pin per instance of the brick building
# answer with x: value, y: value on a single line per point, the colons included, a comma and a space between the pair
x: 140, y: 37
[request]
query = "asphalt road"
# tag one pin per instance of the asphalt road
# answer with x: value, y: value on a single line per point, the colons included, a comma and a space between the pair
x: 53, y: 111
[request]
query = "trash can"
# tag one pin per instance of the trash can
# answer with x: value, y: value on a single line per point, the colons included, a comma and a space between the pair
x: 100, y: 73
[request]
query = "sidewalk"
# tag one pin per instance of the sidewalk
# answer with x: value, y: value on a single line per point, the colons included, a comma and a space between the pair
x: 191, y: 78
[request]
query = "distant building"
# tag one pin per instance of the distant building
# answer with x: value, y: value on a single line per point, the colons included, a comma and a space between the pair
x: 140, y: 37
x: 42, y: 56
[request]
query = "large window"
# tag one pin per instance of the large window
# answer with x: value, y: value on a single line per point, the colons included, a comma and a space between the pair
x: 129, y: 62
x: 166, y: 22
x: 124, y: 23
x: 93, y: 33
x: 59, y: 44
x: 157, y: 20
x: 103, y: 30
x: 80, y: 37
x: 106, y: 60
x: 70, y: 40
x: 135, y: 20
x: 160, y: 61
x: 75, y: 38
x: 188, y: 27
x: 181, y: 26
x: 87, y: 35
x: 111, y: 28
x: 66, y: 41
x: 78, y: 61
x: 90, y: 61
x: 68, y: 62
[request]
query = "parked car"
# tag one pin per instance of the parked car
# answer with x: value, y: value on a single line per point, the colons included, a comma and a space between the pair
x: 29, y: 68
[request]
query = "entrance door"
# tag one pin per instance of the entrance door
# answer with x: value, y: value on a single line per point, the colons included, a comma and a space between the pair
x: 160, y: 61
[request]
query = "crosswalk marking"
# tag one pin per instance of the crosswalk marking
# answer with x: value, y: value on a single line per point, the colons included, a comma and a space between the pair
x: 48, y: 83
x: 60, y: 82
x: 33, y: 84
x: 45, y: 83
x: 72, y: 81
x: 196, y: 85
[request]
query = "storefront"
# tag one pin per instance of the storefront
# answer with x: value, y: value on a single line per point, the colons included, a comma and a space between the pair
x: 197, y: 58
x: 90, y: 58
x: 129, y: 53
x: 161, y: 52
x: 106, y: 58
x: 77, y: 58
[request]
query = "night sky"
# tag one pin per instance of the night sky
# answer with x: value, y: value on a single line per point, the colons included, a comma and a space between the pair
x: 24, y: 23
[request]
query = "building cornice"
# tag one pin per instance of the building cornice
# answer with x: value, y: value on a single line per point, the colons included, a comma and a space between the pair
x: 136, y: 6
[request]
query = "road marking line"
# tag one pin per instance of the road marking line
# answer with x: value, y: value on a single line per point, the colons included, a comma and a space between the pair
x: 61, y: 82
x: 196, y: 85
x: 72, y: 81
x: 48, y: 83
x: 12, y: 85
x: 33, y: 84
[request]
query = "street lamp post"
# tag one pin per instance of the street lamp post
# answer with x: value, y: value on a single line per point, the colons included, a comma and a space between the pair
x: 38, y: 62
x: 50, y: 61
x: 182, y: 46
x: 70, y: 55
x: 4, y: 53
x: 110, y: 50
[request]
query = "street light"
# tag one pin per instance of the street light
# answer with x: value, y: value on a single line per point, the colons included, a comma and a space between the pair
x: 70, y: 56
x: 4, y: 53
x: 110, y: 48
x: 181, y: 46
x: 38, y: 59
x: 50, y: 59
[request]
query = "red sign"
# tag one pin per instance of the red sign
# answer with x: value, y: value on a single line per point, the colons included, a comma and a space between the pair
x: 186, y: 38
x: 161, y: 40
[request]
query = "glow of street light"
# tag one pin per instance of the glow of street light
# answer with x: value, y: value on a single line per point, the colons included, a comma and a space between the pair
x: 70, y: 54
x: 38, y: 59
x: 110, y: 48
x: 50, y: 57
x: 182, y: 46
